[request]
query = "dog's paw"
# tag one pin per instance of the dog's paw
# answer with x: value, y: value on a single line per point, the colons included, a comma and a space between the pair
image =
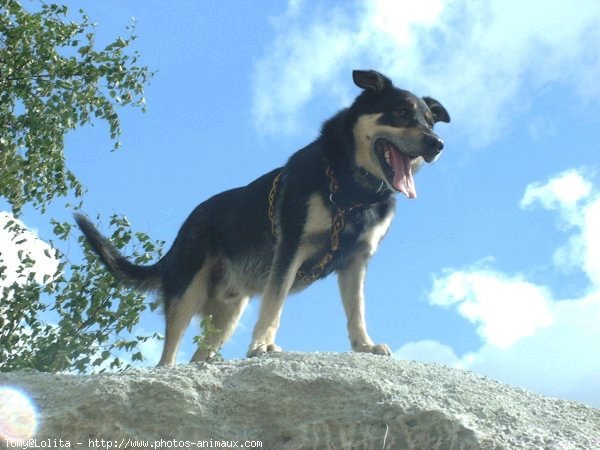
x: 261, y: 349
x: 376, y: 349
x: 381, y: 349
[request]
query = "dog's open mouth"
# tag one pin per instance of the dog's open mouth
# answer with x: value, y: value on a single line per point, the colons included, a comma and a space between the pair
x: 396, y: 166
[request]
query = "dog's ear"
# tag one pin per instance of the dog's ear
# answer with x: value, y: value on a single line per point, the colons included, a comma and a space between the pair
x: 371, y: 80
x: 437, y: 109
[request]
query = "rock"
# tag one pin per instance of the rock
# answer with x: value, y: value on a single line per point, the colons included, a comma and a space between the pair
x: 301, y: 401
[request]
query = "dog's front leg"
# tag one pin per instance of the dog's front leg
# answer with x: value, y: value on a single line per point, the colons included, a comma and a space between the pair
x: 351, y: 280
x: 283, y: 272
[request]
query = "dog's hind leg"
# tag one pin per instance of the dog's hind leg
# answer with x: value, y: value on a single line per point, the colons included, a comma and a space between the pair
x: 224, y: 316
x: 177, y: 316
x: 179, y: 313
x: 351, y: 280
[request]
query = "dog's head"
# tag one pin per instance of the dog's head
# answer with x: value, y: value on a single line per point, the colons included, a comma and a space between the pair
x: 393, y: 131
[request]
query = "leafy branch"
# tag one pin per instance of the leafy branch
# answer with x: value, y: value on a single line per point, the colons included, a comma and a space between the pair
x: 54, y: 80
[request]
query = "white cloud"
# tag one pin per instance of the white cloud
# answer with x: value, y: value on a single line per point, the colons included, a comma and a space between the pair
x: 591, y: 237
x: 529, y: 337
x: 504, y: 309
x: 18, y: 243
x: 561, y: 360
x: 572, y: 196
x: 473, y: 56
x: 283, y: 87
x: 561, y: 193
x: 428, y: 351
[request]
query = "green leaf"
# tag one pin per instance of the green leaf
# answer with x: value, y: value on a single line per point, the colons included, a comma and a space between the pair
x: 46, y: 95
x: 55, y: 93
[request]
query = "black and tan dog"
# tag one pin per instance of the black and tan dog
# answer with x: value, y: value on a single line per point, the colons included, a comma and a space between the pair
x: 324, y: 211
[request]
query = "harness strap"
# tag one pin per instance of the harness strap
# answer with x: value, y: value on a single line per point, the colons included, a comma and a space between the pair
x: 337, y: 226
x: 274, y: 220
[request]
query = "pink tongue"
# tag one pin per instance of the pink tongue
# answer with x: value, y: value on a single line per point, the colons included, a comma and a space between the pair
x: 403, y: 179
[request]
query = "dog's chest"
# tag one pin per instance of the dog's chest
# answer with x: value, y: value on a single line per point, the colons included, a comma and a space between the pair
x: 364, y: 227
x: 318, y: 219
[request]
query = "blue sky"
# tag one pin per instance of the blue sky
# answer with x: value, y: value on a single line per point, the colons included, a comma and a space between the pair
x: 493, y: 268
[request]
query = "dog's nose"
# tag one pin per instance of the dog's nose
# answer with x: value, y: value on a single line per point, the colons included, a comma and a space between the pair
x: 434, y: 142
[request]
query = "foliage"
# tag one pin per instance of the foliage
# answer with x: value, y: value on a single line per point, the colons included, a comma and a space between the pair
x: 53, y: 80
x: 204, y: 340
x: 93, y: 311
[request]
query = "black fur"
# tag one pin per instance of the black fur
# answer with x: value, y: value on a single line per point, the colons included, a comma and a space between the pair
x: 233, y: 231
x: 140, y: 277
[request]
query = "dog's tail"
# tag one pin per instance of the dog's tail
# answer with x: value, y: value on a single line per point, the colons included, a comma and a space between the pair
x: 146, y: 278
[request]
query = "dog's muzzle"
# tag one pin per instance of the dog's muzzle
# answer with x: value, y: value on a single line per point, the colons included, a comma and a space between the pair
x: 397, y: 159
x: 433, y: 147
x: 396, y: 165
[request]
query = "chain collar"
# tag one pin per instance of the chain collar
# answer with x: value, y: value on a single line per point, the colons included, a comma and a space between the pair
x: 338, y: 221
x: 337, y: 226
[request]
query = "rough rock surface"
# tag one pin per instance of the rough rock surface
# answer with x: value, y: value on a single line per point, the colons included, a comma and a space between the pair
x: 297, y: 401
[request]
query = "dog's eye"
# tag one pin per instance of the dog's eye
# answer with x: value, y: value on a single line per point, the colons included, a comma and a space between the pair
x: 401, y: 113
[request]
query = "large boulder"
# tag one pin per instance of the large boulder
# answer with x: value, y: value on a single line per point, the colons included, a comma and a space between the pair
x: 297, y: 401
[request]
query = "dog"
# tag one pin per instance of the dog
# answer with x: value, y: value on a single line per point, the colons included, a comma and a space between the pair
x: 324, y: 211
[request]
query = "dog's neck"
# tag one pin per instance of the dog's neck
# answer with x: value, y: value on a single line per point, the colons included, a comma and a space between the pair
x: 369, y: 181
x: 359, y: 189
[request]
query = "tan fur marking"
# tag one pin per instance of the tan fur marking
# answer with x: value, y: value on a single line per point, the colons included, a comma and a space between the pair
x: 225, y: 314
x: 180, y: 313
x: 351, y: 280
x: 351, y: 283
x: 374, y: 236
x: 365, y: 130
x: 263, y: 337
x: 318, y: 219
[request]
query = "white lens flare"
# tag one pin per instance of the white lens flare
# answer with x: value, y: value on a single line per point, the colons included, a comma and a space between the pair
x: 18, y: 417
